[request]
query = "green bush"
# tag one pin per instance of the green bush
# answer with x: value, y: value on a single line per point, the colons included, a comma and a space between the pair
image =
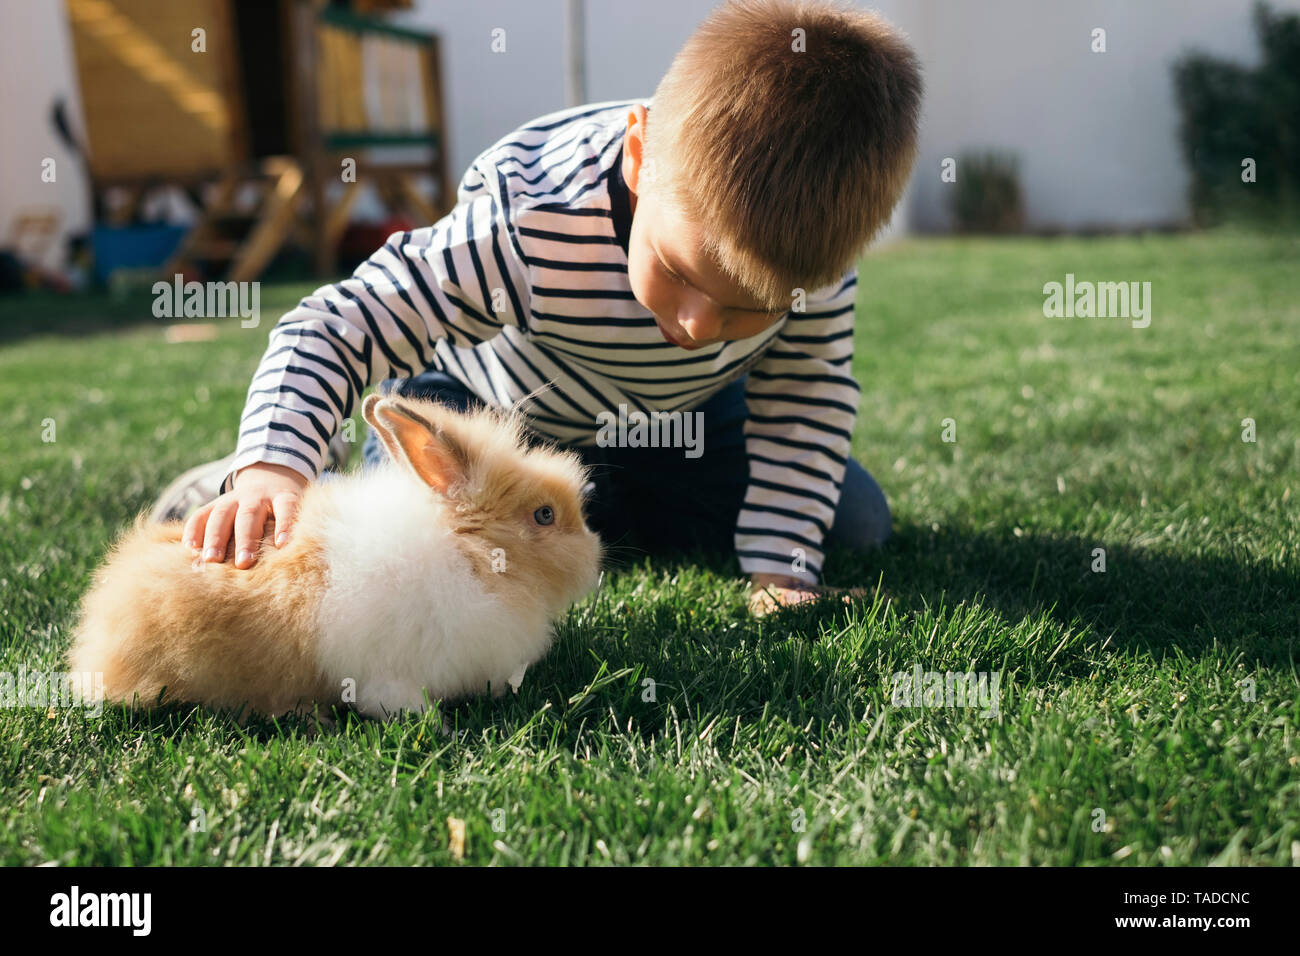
x: 988, y: 197
x: 1231, y: 113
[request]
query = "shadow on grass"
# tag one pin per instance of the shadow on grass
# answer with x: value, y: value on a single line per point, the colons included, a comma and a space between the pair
x: 1144, y: 599
x: 79, y: 316
x: 175, y: 720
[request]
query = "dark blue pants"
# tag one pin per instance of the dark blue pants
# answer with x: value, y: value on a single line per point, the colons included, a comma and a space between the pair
x: 657, y: 499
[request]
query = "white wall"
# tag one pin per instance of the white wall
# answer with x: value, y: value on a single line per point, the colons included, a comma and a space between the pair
x: 1096, y: 132
x: 35, y: 70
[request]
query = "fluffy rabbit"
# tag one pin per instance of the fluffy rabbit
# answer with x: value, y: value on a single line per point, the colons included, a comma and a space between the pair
x: 435, y: 575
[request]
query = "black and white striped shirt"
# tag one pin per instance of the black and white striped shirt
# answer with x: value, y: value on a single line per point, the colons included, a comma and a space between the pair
x: 525, y: 282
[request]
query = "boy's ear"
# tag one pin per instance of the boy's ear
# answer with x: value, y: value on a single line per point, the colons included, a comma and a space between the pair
x: 437, y: 458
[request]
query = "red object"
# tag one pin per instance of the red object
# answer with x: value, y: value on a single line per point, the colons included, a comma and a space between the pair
x: 361, y: 239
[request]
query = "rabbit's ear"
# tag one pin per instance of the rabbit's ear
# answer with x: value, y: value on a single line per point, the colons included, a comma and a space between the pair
x: 432, y: 453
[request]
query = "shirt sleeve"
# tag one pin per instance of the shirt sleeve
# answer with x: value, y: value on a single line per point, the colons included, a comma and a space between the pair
x: 802, y: 405
x: 461, y: 279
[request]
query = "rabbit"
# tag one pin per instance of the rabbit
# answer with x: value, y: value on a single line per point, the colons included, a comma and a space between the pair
x: 436, y: 574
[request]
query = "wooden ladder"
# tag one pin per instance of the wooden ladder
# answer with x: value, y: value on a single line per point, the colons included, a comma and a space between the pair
x: 241, y: 242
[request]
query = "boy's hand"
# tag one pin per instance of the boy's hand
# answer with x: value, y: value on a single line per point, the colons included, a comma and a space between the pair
x: 772, y: 592
x: 262, y: 494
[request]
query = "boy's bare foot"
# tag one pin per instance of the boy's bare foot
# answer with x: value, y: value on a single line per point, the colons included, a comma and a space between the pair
x: 773, y: 593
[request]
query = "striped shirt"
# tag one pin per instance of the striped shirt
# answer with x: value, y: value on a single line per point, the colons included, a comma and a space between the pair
x: 525, y: 282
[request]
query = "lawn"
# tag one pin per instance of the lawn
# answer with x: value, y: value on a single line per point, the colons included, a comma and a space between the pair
x: 1148, y: 713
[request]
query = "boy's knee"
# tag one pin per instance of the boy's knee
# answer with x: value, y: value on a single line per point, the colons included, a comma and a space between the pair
x: 862, y: 519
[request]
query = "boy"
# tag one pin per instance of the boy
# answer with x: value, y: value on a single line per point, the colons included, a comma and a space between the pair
x: 693, y: 253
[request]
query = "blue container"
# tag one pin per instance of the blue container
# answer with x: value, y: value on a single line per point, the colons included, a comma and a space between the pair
x: 133, y: 247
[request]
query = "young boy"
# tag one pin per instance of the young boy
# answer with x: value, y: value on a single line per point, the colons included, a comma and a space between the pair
x: 691, y: 253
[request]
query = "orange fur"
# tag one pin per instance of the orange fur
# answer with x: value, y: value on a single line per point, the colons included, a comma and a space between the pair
x: 158, y: 625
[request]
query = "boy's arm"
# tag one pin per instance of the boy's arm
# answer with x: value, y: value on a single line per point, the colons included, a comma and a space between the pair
x: 458, y: 279
x: 802, y: 404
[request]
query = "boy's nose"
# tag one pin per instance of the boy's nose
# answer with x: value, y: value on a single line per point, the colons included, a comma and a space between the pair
x: 700, y: 326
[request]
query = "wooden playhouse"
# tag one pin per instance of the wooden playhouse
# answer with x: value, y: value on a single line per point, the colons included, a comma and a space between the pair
x: 257, y: 109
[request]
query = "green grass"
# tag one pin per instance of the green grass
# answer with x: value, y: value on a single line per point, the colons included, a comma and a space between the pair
x: 1122, y: 692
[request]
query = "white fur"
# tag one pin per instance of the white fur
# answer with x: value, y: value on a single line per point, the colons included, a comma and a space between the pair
x: 403, y: 613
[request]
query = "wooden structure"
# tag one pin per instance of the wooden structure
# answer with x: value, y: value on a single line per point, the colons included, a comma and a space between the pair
x: 253, y: 107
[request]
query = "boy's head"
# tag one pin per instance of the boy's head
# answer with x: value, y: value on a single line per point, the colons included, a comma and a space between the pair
x: 777, y: 145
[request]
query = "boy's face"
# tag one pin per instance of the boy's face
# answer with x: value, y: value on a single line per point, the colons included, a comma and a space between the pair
x: 694, y: 303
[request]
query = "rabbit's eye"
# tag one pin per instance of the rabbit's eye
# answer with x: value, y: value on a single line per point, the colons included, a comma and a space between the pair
x: 544, y: 515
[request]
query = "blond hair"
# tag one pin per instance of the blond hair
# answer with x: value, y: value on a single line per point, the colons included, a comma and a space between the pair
x: 787, y: 129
